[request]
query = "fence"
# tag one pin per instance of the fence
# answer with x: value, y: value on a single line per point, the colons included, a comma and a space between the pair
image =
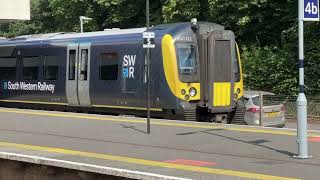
x: 291, y: 106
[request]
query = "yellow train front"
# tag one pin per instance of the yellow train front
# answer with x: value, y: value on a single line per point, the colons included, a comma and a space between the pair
x: 202, y: 71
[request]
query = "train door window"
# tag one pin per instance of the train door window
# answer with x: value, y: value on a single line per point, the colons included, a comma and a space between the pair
x: 51, y: 67
x: 222, y: 61
x: 72, y: 64
x: 31, y: 68
x: 109, y: 63
x: 8, y: 68
x: 84, y: 64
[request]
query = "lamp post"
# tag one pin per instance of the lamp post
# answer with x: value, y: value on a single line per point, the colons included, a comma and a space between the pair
x: 302, y: 100
x: 83, y: 19
x: 308, y: 11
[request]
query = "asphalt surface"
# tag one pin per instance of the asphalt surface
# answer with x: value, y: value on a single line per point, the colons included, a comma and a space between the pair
x: 174, y: 148
x: 311, y: 126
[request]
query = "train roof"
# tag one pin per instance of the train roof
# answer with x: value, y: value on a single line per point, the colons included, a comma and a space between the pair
x: 159, y: 29
x: 63, y: 35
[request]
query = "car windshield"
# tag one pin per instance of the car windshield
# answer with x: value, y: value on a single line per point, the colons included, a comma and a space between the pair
x: 188, y: 65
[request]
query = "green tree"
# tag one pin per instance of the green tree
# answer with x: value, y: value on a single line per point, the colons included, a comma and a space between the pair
x: 180, y: 10
x: 270, y: 69
x: 265, y: 29
x: 256, y: 21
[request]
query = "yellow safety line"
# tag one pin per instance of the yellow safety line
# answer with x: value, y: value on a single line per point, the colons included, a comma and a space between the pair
x: 74, y: 116
x: 143, y: 162
x: 163, y: 123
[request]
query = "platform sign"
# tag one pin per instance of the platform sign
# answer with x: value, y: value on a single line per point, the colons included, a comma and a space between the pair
x: 311, y: 10
x: 148, y: 40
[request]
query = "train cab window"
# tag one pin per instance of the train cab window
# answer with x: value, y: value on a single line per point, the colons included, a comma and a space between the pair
x: 187, y: 62
x: 8, y: 68
x: 31, y: 68
x: 72, y: 64
x: 50, y: 67
x: 236, y: 66
x: 109, y: 66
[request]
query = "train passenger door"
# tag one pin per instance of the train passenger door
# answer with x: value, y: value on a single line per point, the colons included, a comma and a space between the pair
x: 220, y: 77
x: 78, y: 74
x: 72, y: 75
x: 84, y: 74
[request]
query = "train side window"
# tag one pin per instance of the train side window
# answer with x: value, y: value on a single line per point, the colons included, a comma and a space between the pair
x: 8, y: 68
x: 51, y: 67
x: 72, y: 64
x: 109, y: 65
x: 31, y: 68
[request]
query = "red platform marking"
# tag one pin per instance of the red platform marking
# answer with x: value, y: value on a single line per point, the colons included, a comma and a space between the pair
x: 190, y: 162
x: 314, y: 139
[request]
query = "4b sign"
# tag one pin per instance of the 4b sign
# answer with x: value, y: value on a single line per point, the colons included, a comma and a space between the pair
x: 311, y: 10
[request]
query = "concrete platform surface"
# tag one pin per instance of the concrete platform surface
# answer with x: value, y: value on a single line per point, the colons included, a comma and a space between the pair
x: 174, y: 148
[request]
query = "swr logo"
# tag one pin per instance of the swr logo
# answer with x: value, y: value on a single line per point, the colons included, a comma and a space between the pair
x: 128, y: 66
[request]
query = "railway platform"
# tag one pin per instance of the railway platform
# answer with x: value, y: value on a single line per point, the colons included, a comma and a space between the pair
x: 120, y: 146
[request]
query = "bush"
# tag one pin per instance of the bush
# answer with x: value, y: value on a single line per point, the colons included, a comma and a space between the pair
x: 269, y: 69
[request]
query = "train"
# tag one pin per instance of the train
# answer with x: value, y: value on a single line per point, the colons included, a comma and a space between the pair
x: 195, y: 72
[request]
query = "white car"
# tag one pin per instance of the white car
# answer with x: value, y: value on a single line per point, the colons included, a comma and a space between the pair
x: 272, y: 115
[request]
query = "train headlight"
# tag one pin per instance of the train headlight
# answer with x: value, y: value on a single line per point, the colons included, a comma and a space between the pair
x: 193, y: 92
x: 183, y: 92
